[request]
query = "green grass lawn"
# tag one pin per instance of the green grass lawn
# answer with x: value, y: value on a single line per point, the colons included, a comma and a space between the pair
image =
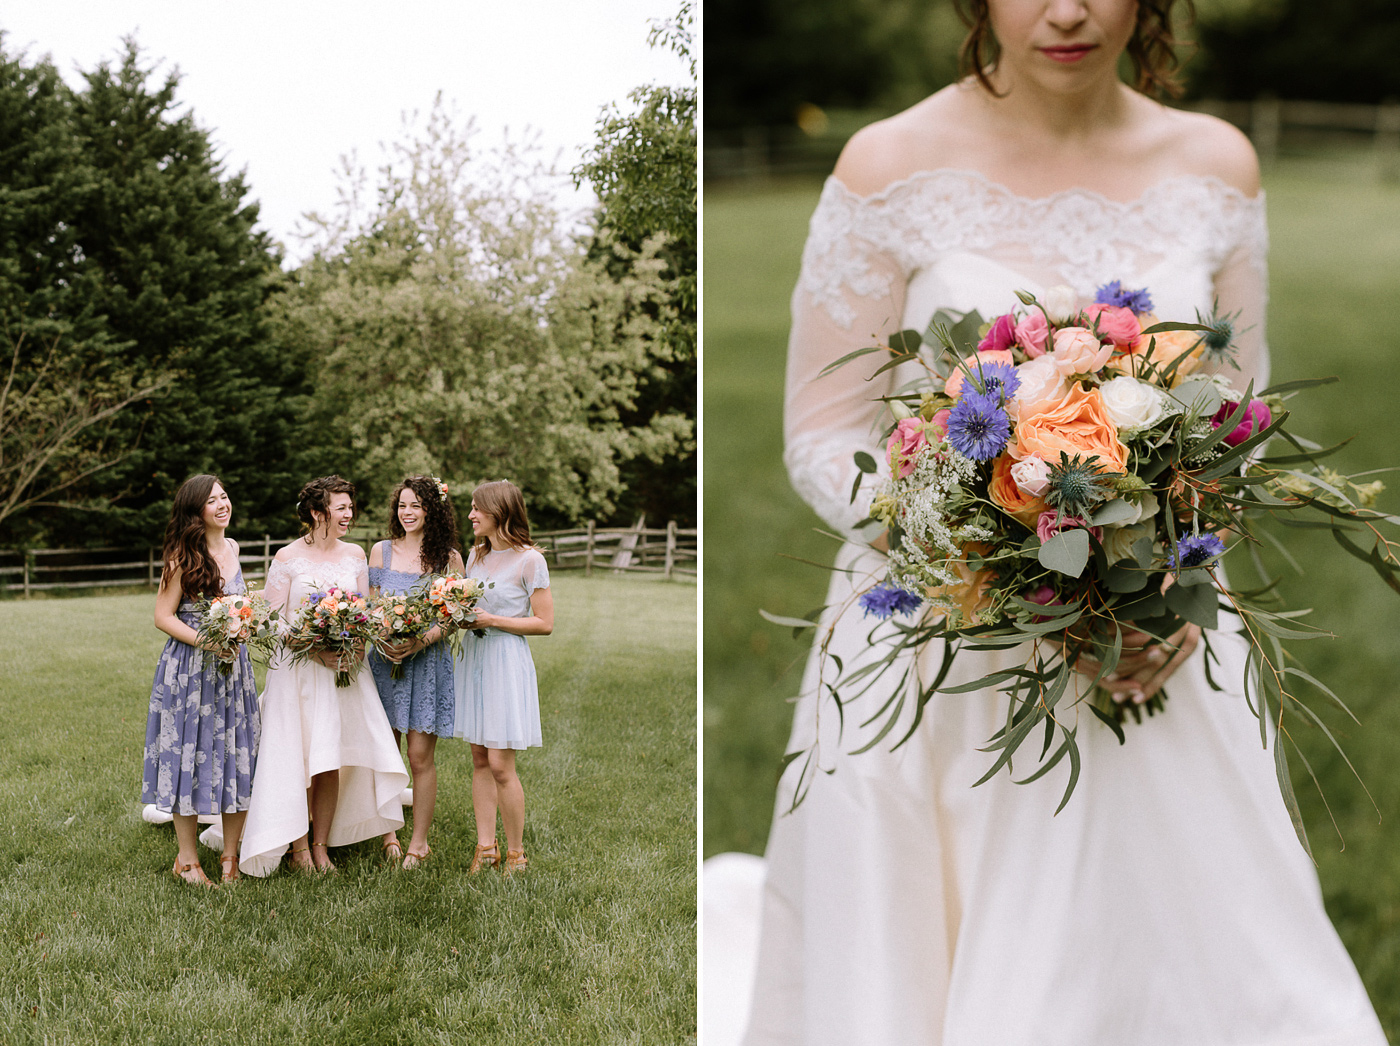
x: 1335, y: 275
x: 594, y: 944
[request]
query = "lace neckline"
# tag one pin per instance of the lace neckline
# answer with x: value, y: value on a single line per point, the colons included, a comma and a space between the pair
x: 912, y: 181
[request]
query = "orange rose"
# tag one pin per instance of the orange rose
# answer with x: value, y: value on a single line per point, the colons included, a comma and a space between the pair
x: 1078, y: 425
x: 969, y: 596
x: 1007, y: 495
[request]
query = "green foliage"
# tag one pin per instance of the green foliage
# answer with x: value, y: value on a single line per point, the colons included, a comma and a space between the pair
x: 456, y: 328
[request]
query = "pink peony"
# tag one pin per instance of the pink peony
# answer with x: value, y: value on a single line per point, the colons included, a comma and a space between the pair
x: 1077, y: 351
x: 1045, y: 527
x: 905, y: 443
x: 1257, y: 417
x: 1116, y: 324
x: 1001, y: 336
x: 1032, y: 333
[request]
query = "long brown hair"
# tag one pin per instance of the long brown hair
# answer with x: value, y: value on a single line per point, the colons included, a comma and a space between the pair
x: 439, y: 521
x: 1152, y: 48
x: 502, y: 501
x: 316, y: 497
x: 185, y: 548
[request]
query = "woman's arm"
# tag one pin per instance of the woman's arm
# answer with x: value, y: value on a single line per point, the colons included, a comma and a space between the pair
x: 168, y: 598
x: 540, y: 623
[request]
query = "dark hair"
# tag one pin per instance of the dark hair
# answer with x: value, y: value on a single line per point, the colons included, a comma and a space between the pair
x: 439, y: 521
x: 185, y: 546
x: 1152, y: 48
x: 316, y: 497
x: 502, y: 501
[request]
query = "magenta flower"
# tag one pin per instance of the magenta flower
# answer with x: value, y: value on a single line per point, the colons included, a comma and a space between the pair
x: 1002, y: 335
x: 1257, y: 417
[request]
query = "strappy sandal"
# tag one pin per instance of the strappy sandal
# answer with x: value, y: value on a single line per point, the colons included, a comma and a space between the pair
x: 516, y: 861
x: 485, y: 857
x: 329, y: 869
x: 412, y: 860
x: 297, y: 865
x: 200, y: 879
x: 393, y: 852
x: 229, y: 864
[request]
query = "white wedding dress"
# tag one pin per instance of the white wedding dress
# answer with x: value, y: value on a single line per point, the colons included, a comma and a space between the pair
x: 310, y: 726
x: 1170, y: 903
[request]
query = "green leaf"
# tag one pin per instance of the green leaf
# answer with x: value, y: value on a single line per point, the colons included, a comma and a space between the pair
x: 1066, y: 552
x: 1294, y: 386
x: 1195, y: 603
x: 1163, y: 328
x: 1112, y: 723
x: 906, y: 341
x: 850, y: 356
x: 865, y: 462
x: 1126, y: 579
x: 1119, y: 510
x: 786, y: 622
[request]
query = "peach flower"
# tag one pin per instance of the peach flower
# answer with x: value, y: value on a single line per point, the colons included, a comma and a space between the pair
x: 969, y: 595
x: 1078, y: 425
x: 953, y: 386
x: 1077, y: 351
x: 1041, y: 381
x: 1007, y: 494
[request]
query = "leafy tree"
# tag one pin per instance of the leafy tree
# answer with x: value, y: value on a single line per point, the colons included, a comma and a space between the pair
x: 643, y: 168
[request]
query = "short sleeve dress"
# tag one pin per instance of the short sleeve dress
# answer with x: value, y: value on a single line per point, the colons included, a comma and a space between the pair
x: 498, y: 700
x: 423, y: 700
x: 202, y: 727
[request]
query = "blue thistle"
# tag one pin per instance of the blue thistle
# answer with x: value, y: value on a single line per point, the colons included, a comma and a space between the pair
x: 1139, y: 301
x: 885, y: 600
x: 978, y: 428
x: 1218, y: 341
x: 1193, y: 550
x: 1077, y: 485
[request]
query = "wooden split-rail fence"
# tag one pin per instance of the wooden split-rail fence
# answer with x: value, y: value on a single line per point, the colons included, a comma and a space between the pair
x: 668, y: 551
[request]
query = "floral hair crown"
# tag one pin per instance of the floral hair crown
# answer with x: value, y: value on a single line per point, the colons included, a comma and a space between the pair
x: 442, y: 488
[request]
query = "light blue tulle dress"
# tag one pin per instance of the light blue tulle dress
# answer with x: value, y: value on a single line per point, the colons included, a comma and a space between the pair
x: 423, y: 700
x: 498, y: 698
x: 202, y: 727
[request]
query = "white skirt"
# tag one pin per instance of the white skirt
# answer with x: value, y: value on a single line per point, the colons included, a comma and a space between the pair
x: 311, y: 726
x: 1169, y: 903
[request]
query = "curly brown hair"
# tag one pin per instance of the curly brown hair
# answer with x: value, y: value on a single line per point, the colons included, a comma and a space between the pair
x: 439, y: 521
x: 1152, y: 48
x: 185, y: 548
x: 316, y: 497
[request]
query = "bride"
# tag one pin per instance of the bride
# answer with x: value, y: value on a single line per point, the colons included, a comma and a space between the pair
x: 327, y: 755
x: 1170, y: 902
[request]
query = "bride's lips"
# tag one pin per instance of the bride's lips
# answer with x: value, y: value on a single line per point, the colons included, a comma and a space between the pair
x: 1067, y: 53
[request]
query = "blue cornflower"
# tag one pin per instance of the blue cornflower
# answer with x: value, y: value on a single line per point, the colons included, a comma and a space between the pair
x: 885, y: 600
x: 1195, y: 549
x: 1114, y: 294
x: 999, y: 380
x: 978, y: 428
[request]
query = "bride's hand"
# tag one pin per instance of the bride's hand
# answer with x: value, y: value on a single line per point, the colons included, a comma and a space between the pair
x: 1144, y: 669
x: 329, y: 658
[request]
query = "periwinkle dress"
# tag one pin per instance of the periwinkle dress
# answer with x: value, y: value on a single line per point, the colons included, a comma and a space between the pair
x: 498, y: 698
x: 423, y: 700
x: 202, y: 729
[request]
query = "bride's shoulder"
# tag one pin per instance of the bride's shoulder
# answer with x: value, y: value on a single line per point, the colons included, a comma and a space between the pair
x: 350, y: 550
x: 291, y: 550
x: 928, y: 135
x: 1209, y: 147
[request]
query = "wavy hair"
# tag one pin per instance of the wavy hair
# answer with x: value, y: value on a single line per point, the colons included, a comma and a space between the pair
x: 1152, y: 48
x: 439, y: 521
x: 316, y: 497
x: 502, y: 501
x: 185, y: 547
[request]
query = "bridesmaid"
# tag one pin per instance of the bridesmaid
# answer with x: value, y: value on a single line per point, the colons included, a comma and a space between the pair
x: 423, y: 540
x: 203, y: 727
x: 498, y: 703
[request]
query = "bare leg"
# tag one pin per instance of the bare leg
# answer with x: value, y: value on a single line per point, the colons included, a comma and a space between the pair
x: 483, y: 797
x: 186, y: 837
x: 391, y: 839
x: 233, y: 833
x: 421, y: 749
x: 325, y: 791
x: 510, y: 796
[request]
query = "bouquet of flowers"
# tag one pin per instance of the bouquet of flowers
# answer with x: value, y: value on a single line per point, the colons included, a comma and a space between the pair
x: 399, y: 618
x: 333, y: 620
x: 454, y: 600
x: 1065, y: 474
x: 226, y: 622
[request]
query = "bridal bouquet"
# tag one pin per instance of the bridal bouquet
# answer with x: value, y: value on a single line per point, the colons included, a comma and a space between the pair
x: 333, y: 620
x: 454, y: 599
x: 398, y: 619
x: 1065, y: 474
x: 226, y: 622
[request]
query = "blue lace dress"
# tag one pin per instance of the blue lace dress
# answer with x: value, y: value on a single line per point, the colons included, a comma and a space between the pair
x: 202, y: 728
x: 423, y: 700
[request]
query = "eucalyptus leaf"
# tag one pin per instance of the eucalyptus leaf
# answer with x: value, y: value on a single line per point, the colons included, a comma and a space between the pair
x: 1119, y: 510
x: 1066, y: 552
x: 1196, y: 603
x: 906, y: 341
x: 864, y: 461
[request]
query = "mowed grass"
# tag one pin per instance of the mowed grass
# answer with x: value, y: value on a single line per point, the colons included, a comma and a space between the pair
x: 594, y: 944
x: 1335, y: 274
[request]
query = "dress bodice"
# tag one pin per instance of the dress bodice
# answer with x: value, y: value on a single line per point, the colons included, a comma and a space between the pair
x: 291, y: 579
x: 388, y: 580
x: 515, y: 574
x: 234, y: 586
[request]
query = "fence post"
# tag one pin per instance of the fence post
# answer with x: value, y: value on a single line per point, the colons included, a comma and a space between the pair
x: 588, y: 559
x: 26, y: 573
x: 670, y: 547
x: 151, y: 566
x: 267, y: 557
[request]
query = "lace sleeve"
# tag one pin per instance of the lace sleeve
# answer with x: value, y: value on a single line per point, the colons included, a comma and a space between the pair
x: 277, y: 587
x: 850, y: 295
x: 1242, y: 288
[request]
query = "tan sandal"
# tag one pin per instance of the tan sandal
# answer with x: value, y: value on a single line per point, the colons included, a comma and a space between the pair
x: 229, y: 864
x: 200, y: 879
x: 393, y: 852
x: 412, y: 860
x: 516, y: 861
x: 485, y: 857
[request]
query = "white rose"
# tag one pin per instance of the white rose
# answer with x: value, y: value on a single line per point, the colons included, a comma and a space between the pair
x: 1032, y: 475
x: 1146, y: 510
x: 1131, y: 404
x: 1040, y: 380
x: 1060, y: 303
x: 1118, y: 541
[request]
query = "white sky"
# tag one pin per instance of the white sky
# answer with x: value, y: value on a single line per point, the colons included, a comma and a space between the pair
x: 288, y: 86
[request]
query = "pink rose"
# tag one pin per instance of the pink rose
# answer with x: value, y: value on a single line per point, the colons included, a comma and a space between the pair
x: 939, y: 424
x: 1032, y: 333
x: 1117, y: 324
x: 1077, y: 351
x: 1001, y: 336
x: 953, y: 386
x: 905, y: 443
x: 1257, y: 417
x: 1045, y: 527
x: 1031, y: 476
